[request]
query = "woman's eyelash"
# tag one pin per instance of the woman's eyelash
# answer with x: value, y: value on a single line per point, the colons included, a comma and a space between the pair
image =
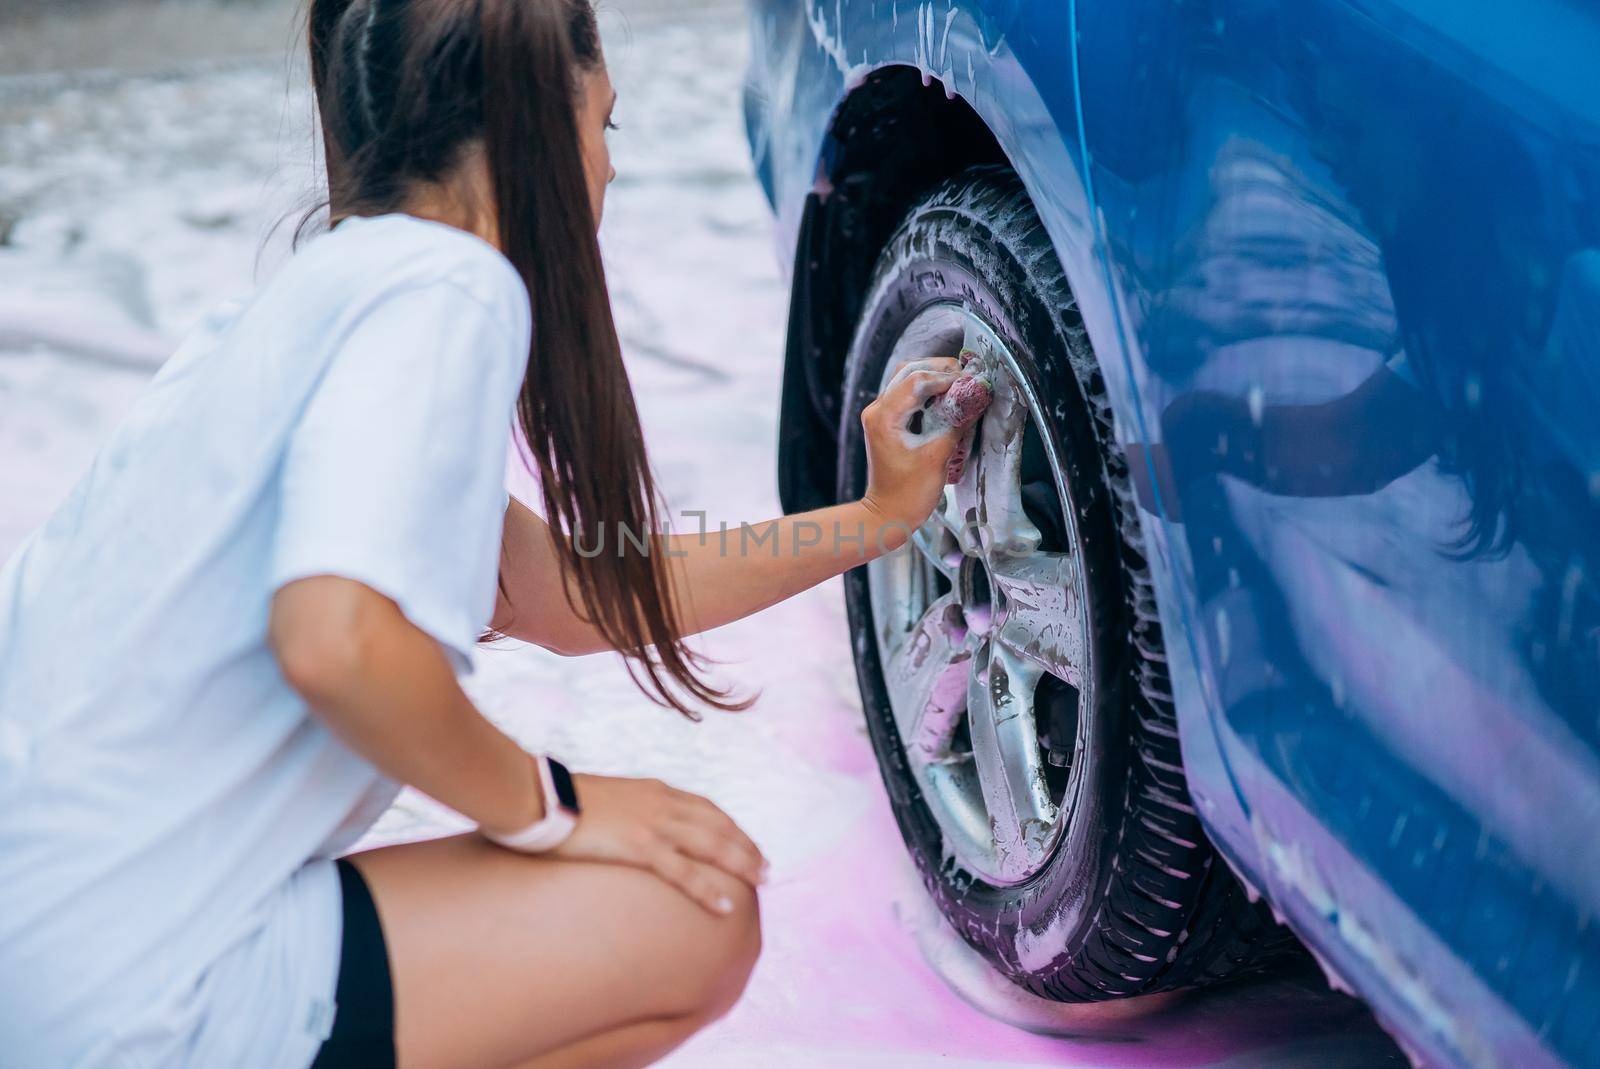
x: 612, y: 124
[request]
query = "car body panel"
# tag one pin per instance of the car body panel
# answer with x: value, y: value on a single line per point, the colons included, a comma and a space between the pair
x: 1357, y: 244
x: 1341, y: 262
x: 807, y: 57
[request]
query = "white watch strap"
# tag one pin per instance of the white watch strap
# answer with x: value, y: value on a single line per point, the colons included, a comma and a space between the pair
x: 546, y: 833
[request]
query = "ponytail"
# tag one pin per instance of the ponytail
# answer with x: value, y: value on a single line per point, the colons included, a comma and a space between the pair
x: 321, y: 25
x: 404, y: 86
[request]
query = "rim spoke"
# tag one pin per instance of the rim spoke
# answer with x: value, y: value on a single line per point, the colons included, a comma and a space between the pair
x: 959, y: 510
x: 936, y: 541
x: 997, y: 483
x: 926, y: 679
x: 1041, y: 610
x: 948, y: 512
x: 1005, y: 747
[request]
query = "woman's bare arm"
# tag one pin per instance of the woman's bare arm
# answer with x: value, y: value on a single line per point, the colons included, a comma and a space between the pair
x: 718, y: 576
x: 386, y: 688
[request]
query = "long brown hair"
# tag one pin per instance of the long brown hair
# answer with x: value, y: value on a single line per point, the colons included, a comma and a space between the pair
x: 405, y: 88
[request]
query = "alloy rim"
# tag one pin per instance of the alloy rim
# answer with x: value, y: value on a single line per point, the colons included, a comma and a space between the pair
x: 982, y: 626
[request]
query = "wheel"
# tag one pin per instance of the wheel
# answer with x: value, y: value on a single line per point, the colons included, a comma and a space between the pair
x: 1010, y: 659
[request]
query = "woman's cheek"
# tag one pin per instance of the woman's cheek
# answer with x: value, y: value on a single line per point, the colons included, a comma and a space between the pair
x: 600, y: 174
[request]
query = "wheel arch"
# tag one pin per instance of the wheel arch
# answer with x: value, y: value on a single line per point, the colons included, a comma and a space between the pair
x: 892, y: 138
x: 893, y: 133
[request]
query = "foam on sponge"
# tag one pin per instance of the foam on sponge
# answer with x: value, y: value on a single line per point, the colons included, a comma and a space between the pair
x: 958, y: 408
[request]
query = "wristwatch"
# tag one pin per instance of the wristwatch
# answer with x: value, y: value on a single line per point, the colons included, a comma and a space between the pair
x: 561, y: 811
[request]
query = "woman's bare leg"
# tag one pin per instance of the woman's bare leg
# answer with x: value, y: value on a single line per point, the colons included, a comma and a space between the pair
x: 630, y: 1047
x: 502, y: 960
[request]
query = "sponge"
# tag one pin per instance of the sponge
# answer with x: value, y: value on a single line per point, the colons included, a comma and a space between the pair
x: 959, y: 407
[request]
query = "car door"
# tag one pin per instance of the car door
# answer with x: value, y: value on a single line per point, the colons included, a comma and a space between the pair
x: 1355, y: 250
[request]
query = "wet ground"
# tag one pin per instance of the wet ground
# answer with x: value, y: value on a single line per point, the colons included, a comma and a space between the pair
x: 129, y: 204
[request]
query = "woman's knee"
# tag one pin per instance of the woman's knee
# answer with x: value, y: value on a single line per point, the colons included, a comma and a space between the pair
x: 736, y: 946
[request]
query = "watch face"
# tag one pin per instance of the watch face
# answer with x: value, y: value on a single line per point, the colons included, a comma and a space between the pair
x: 566, y: 793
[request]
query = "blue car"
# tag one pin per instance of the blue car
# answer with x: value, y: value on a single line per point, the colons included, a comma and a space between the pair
x: 1274, y: 576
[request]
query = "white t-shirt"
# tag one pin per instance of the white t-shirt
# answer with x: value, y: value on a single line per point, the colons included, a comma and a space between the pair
x: 168, y: 805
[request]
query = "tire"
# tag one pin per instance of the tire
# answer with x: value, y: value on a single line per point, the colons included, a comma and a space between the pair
x: 1121, y: 893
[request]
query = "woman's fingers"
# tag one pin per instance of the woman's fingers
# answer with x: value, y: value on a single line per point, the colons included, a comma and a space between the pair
x: 696, y: 807
x: 913, y: 390
x: 682, y: 838
x: 719, y: 838
x: 931, y: 363
x: 706, y: 885
x: 918, y: 381
x: 700, y: 849
x: 894, y: 408
x: 713, y: 846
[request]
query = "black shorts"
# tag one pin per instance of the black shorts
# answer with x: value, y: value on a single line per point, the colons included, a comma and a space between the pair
x: 363, y: 1020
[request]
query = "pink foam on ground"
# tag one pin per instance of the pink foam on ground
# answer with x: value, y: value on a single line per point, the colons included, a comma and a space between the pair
x: 844, y: 984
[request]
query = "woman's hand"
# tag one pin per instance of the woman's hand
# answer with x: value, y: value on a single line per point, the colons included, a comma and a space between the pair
x: 906, y: 470
x: 681, y: 837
